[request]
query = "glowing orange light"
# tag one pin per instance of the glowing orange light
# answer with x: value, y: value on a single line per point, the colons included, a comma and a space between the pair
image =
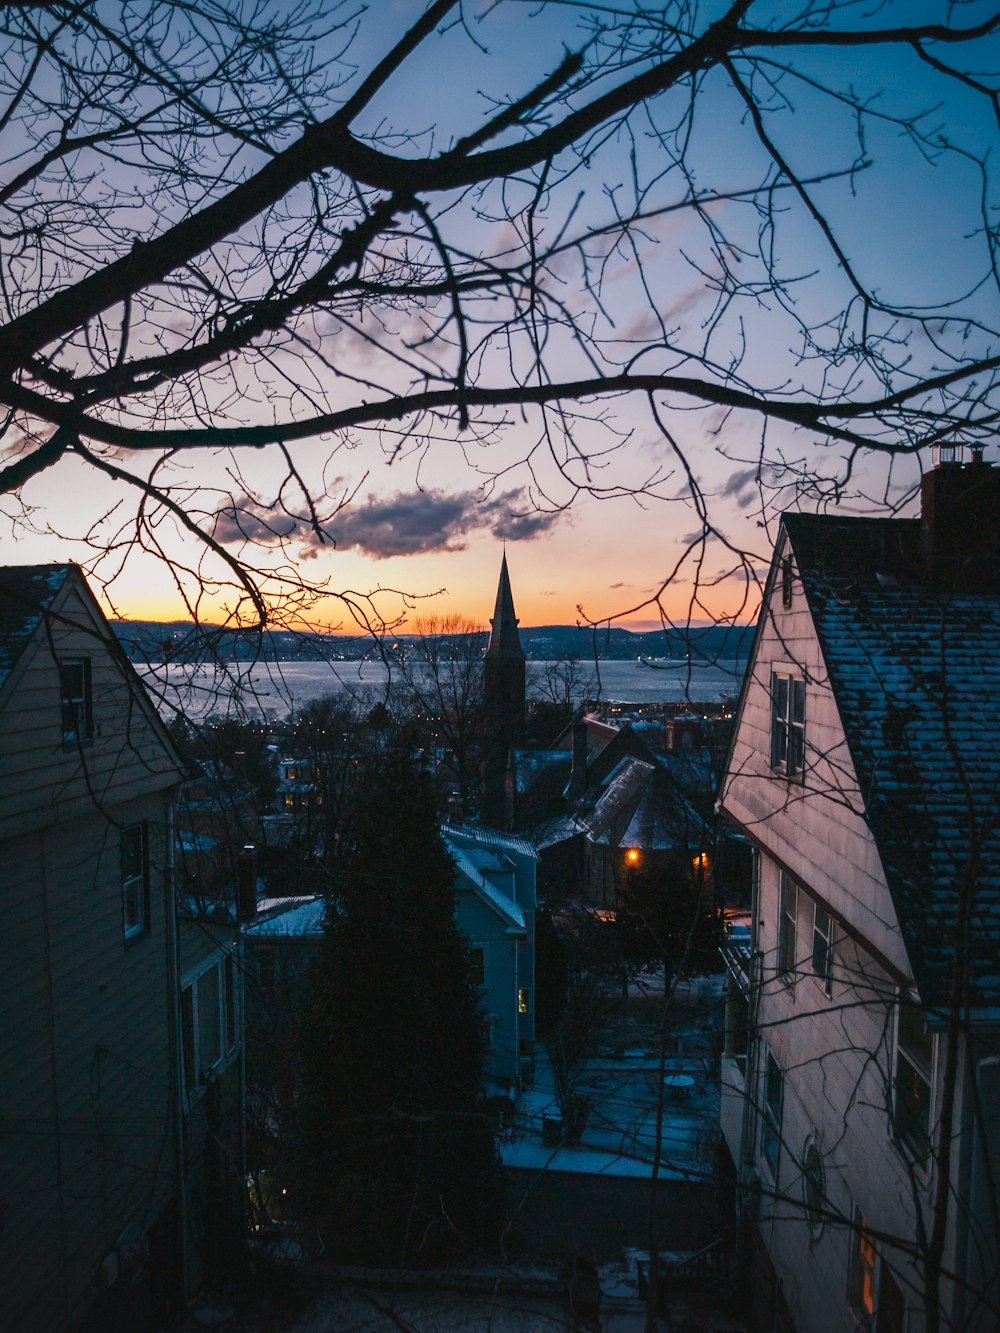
x: 632, y: 857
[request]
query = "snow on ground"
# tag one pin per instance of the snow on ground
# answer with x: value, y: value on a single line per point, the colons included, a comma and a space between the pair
x: 621, y: 1086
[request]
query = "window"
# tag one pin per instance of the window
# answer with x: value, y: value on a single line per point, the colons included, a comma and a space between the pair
x: 76, y: 700
x: 912, y: 1101
x: 788, y: 723
x: 861, y: 1277
x: 135, y: 880
x: 814, y: 1188
x: 788, y: 927
x: 786, y: 581
x: 822, y: 950
x: 770, y: 1132
x: 522, y: 1000
x: 477, y: 964
x: 208, y: 1022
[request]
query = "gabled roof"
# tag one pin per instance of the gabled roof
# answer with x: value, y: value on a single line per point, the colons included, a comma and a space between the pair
x: 614, y: 808
x: 916, y: 677
x: 471, y: 835
x: 288, y: 918
x: 26, y: 593
x: 30, y: 595
x: 482, y: 854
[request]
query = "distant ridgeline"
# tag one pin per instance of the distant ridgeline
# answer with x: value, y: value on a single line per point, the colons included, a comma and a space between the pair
x: 180, y: 641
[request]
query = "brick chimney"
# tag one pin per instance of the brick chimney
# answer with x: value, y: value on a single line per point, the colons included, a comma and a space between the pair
x: 960, y: 522
x: 578, y: 772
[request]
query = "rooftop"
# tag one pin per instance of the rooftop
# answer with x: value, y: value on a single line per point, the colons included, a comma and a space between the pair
x: 916, y: 675
x: 26, y: 592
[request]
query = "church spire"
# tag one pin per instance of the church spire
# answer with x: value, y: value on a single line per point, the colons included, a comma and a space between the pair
x: 504, y: 638
x: 504, y: 671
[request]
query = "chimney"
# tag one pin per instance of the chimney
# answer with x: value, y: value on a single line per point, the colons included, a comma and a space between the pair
x: 960, y: 522
x: 246, y: 884
x: 578, y: 773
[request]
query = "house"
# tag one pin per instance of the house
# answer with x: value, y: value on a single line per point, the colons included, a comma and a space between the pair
x: 113, y: 1028
x: 615, y: 803
x: 862, y: 1074
x: 495, y: 910
x: 282, y: 937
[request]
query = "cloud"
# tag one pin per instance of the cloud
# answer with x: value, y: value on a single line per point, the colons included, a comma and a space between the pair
x: 738, y: 481
x: 407, y: 523
x: 742, y: 486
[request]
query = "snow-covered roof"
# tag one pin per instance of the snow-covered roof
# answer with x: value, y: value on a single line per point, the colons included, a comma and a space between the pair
x: 916, y: 676
x: 559, y: 829
x: 616, y: 805
x: 468, y: 835
x: 535, y: 767
x: 475, y: 868
x: 288, y: 918
x: 26, y: 593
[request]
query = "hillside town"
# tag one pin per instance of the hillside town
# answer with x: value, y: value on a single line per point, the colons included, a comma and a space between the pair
x: 499, y: 666
x: 709, y: 997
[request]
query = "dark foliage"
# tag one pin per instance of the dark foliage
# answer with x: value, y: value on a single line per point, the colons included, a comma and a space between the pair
x: 397, y: 1160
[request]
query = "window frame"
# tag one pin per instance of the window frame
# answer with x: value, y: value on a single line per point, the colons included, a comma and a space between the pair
x: 478, y: 971
x: 912, y: 1069
x: 135, y: 886
x: 789, y: 891
x: 814, y: 1200
x: 786, y: 581
x: 197, y: 1075
x: 823, y: 947
x: 788, y: 724
x: 862, y: 1269
x: 772, y: 1113
x: 81, y: 702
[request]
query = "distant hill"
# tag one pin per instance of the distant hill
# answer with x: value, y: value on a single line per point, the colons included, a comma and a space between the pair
x: 180, y: 641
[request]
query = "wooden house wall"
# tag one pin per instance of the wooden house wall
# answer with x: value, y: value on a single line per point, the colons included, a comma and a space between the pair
x: 481, y: 926
x: 815, y: 826
x: 47, y: 782
x: 85, y: 1061
x: 837, y: 1050
x: 837, y: 1055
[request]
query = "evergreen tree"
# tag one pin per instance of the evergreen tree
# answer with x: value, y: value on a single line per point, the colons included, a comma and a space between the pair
x: 397, y: 1160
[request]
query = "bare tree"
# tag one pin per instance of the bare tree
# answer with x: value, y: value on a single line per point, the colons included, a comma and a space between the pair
x: 235, y: 229
x: 441, y: 669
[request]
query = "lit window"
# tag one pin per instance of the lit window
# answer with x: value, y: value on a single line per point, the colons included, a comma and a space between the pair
x: 861, y: 1278
x: 135, y: 879
x: 770, y: 1131
x: 822, y: 950
x: 522, y: 1000
x: 76, y: 700
x: 788, y: 723
x: 912, y: 1101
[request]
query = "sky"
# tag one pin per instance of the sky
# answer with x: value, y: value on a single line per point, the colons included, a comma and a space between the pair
x: 424, y: 526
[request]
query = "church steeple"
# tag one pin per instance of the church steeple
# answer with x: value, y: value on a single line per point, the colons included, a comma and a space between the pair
x: 504, y: 699
x: 504, y: 638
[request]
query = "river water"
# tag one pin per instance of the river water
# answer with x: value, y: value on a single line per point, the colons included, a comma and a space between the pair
x: 272, y: 690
